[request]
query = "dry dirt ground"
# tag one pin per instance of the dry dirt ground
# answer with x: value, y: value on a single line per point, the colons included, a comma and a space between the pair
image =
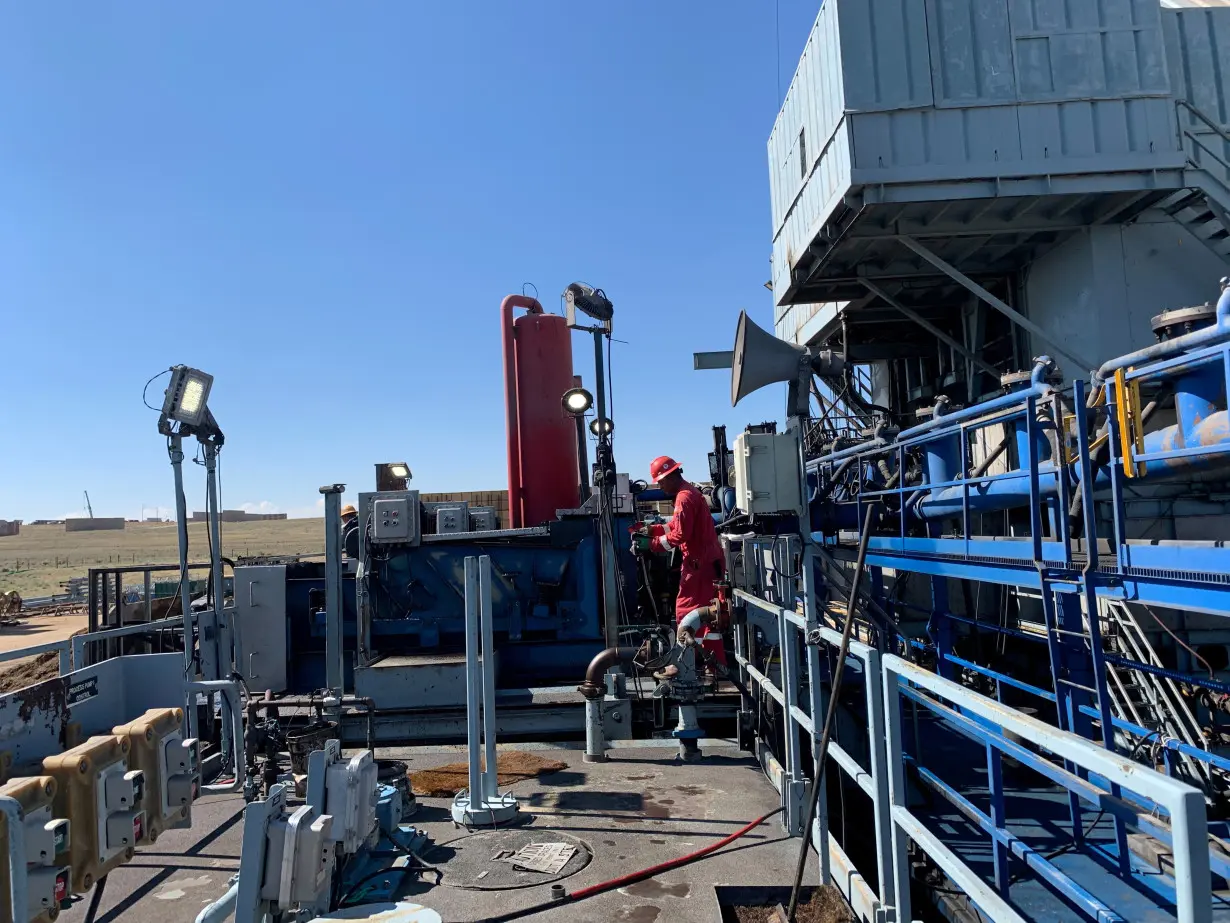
x: 35, y: 562
x: 31, y: 630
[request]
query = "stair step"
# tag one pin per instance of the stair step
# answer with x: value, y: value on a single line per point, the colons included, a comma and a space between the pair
x: 1194, y: 215
x: 1209, y: 231
x: 1179, y: 200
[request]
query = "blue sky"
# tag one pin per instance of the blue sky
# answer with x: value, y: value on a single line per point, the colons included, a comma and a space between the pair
x: 322, y: 204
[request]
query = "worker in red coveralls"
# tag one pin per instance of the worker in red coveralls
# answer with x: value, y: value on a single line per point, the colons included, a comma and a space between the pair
x: 691, y: 530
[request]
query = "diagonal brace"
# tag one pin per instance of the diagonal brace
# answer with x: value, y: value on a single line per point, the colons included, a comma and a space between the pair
x: 1001, y: 306
x: 931, y: 328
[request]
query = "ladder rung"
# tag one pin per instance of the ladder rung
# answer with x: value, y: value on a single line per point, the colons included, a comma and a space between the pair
x: 1068, y: 682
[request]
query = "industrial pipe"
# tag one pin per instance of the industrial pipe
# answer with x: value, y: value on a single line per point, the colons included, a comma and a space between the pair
x: 533, y: 306
x: 1206, y: 336
x: 1038, y: 387
x: 593, y: 689
x: 594, y: 686
x: 223, y: 907
x: 232, y: 710
x: 877, y: 441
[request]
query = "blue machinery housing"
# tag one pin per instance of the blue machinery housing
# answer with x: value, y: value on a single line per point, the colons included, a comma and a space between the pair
x: 545, y: 593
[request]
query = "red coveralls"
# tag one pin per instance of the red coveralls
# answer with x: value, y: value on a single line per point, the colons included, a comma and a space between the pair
x: 692, y: 531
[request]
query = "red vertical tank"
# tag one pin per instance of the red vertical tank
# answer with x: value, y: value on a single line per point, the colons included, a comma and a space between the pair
x: 542, y: 437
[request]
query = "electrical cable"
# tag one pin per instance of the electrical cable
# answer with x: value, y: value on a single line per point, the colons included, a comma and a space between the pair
x: 633, y: 877
x: 1181, y: 643
x: 369, y: 877
x: 145, y: 390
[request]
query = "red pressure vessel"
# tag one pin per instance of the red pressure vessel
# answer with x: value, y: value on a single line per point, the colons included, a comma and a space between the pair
x: 542, y: 436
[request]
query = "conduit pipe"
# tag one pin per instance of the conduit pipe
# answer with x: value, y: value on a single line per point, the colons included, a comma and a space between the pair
x: 533, y: 306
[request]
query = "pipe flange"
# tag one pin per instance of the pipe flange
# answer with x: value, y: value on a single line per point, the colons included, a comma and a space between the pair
x: 1179, y: 321
x: 591, y: 691
x: 922, y: 414
x: 1021, y: 379
x: 491, y: 812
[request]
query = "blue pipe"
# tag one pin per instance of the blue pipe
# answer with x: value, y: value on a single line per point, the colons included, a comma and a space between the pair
x: 1038, y: 387
x: 1206, y: 336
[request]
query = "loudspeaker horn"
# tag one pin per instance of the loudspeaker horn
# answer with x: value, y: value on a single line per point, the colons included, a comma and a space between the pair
x: 761, y: 359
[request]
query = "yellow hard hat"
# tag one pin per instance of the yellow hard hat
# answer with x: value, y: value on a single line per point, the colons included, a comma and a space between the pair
x: 349, y: 510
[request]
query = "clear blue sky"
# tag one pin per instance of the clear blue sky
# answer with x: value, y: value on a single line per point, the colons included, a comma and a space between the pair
x: 322, y: 204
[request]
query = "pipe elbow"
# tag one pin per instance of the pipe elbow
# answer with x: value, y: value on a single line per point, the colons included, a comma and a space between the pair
x: 594, y: 687
x: 1037, y: 379
x: 1223, y: 303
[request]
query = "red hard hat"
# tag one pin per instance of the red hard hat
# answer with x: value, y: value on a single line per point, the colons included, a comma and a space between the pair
x: 662, y: 466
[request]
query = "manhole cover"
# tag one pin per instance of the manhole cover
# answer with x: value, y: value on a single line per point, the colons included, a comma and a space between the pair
x: 479, y: 861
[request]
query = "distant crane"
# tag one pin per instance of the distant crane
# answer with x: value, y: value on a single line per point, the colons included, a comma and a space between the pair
x: 88, y: 508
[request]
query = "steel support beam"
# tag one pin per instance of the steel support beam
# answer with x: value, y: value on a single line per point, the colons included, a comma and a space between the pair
x: 999, y: 305
x: 930, y: 328
x: 335, y: 669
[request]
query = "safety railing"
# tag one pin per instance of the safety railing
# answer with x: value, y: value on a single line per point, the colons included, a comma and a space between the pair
x: 74, y: 652
x: 1127, y: 792
x: 1171, y: 747
x: 1200, y: 150
x: 989, y: 723
x: 792, y: 632
x: 63, y: 648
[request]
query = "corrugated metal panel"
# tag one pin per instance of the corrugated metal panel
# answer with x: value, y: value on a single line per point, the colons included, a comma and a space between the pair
x: 1001, y: 140
x: 971, y: 52
x: 1197, y: 44
x: 1001, y: 51
x: 809, y: 116
x: 885, y: 55
x: 829, y: 181
x: 1074, y: 49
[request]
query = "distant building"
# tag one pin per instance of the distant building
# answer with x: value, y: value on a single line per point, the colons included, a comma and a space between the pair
x: 237, y: 516
x: 10, y: 527
x: 96, y: 524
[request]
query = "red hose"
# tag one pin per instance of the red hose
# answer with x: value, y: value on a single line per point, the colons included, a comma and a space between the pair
x: 515, y: 517
x: 632, y: 877
x: 666, y: 866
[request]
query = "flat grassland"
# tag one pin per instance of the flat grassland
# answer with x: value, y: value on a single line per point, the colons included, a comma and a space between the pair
x: 35, y: 562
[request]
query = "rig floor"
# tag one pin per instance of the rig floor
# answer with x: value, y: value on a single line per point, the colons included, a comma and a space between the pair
x: 639, y: 808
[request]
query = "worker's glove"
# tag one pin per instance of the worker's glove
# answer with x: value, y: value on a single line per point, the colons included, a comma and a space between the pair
x: 641, y: 543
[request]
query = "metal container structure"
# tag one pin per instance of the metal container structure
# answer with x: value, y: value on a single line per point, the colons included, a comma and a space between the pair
x: 985, y: 132
x: 542, y: 444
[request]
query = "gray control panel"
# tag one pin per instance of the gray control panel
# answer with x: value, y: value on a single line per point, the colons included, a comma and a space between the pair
x: 391, y: 520
x: 482, y: 519
x: 390, y: 517
x: 452, y: 518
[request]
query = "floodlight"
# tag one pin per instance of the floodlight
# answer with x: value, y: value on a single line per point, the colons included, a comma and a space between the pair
x: 186, y: 396
x: 577, y: 401
x: 590, y: 300
x: 601, y: 427
x: 400, y: 470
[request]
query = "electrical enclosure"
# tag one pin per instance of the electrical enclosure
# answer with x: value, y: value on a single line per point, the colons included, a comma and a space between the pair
x: 766, y: 473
